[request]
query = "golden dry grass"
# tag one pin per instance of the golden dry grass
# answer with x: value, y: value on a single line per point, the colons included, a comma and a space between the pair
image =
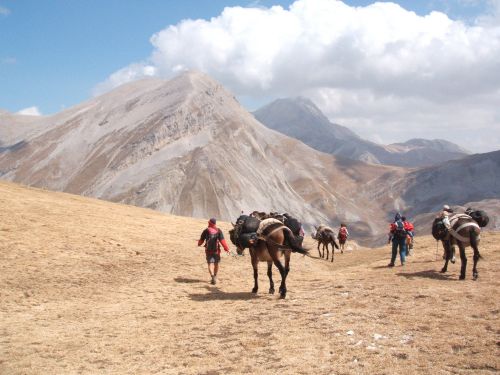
x: 91, y: 287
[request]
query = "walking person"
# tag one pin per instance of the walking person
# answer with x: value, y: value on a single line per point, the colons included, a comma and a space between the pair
x: 342, y: 236
x: 397, y: 234
x: 410, y: 235
x: 212, y: 238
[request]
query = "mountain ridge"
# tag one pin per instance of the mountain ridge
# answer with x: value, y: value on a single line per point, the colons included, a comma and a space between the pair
x: 187, y: 147
x: 300, y: 118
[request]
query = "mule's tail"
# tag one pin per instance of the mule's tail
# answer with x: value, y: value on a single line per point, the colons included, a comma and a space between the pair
x: 294, y: 243
x: 473, y: 238
x: 335, y: 244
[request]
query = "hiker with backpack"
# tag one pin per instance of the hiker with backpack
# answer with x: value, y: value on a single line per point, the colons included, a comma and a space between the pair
x: 397, y: 234
x: 212, y: 238
x: 342, y: 236
x: 410, y: 235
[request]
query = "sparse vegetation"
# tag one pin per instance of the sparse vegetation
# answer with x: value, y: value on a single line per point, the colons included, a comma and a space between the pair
x: 90, y: 287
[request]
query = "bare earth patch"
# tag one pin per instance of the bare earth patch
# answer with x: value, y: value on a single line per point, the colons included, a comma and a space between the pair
x: 91, y: 287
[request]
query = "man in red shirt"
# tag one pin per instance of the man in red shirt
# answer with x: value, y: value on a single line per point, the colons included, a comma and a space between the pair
x: 213, y: 238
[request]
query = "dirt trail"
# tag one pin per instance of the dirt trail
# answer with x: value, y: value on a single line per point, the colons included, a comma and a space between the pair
x: 91, y: 287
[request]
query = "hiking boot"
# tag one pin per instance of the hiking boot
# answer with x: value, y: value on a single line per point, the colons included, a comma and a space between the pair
x: 390, y: 265
x: 213, y: 280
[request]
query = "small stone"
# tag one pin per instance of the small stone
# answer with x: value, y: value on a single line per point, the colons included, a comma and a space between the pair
x: 350, y: 333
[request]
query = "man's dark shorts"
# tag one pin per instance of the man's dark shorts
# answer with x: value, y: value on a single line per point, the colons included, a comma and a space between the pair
x: 213, y: 258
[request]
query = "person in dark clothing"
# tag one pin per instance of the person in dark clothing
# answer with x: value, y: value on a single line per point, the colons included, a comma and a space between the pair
x: 397, y: 234
x: 212, y: 238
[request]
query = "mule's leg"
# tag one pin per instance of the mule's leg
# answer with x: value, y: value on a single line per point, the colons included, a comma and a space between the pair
x: 447, y: 252
x: 473, y: 244
x: 327, y: 250
x: 275, y: 256
x: 255, y: 266
x: 463, y: 260
x: 287, y: 262
x: 270, y: 275
x: 319, y: 252
x: 333, y: 249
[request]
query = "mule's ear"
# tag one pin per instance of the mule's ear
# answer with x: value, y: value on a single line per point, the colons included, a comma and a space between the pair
x: 232, y: 224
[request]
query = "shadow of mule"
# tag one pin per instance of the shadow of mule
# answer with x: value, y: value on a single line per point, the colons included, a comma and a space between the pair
x: 218, y: 295
x: 428, y: 274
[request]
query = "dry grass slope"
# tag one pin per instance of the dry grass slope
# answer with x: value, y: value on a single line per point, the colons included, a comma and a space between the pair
x: 92, y: 287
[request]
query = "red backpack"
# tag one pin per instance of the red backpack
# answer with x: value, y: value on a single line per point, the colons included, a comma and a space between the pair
x: 342, y: 234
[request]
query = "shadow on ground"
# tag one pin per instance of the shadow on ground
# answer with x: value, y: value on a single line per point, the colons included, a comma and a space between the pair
x: 429, y: 274
x: 186, y: 280
x: 217, y: 295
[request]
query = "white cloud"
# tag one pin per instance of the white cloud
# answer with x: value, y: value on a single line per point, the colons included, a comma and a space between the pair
x: 4, y: 11
x: 128, y: 74
x: 30, y: 111
x: 378, y: 65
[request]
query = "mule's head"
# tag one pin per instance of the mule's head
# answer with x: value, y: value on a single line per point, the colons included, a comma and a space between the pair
x: 439, y: 230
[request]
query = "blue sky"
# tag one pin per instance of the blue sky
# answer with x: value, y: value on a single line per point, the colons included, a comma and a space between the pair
x: 56, y: 53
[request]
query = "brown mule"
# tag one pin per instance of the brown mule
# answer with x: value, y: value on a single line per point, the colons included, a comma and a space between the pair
x: 325, y: 237
x: 275, y: 241
x: 465, y: 232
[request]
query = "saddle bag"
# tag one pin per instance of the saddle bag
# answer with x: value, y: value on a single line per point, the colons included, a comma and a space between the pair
x: 293, y: 224
x: 246, y: 239
x: 480, y: 217
x: 251, y: 224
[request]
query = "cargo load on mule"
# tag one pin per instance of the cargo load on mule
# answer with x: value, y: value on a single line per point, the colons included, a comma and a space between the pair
x: 294, y: 224
x: 479, y: 216
x: 246, y: 230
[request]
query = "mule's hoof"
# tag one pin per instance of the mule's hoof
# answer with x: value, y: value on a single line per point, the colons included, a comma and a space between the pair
x: 254, y: 290
x: 475, y: 276
x: 283, y: 294
x: 462, y: 277
x: 271, y: 291
x: 443, y: 270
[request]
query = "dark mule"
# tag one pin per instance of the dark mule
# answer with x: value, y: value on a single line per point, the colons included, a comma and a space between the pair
x: 273, y: 242
x: 325, y: 237
x: 465, y: 232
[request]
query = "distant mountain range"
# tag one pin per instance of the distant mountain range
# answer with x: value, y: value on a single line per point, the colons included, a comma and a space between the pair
x: 300, y: 118
x: 187, y: 147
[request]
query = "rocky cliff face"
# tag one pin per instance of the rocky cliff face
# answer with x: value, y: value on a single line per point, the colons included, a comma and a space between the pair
x: 301, y: 119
